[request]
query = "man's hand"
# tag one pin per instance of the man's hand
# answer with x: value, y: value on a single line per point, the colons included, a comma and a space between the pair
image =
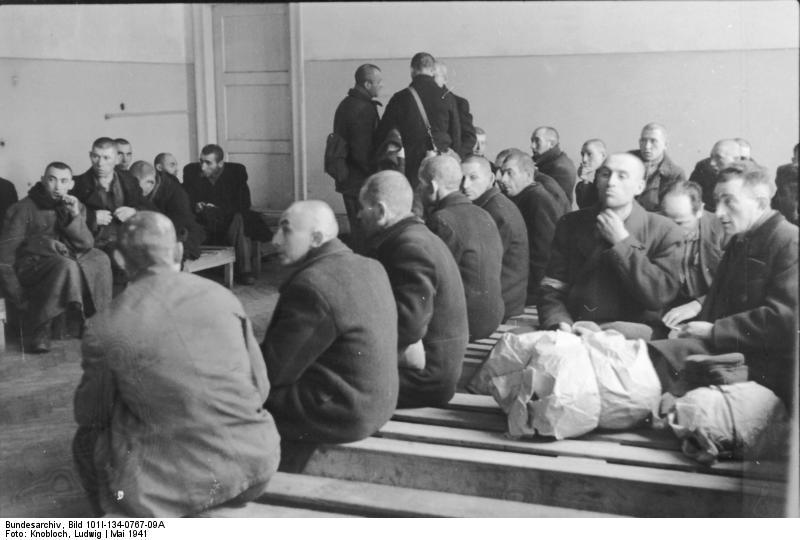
x: 611, y: 226
x: 697, y: 329
x: 103, y: 217
x: 564, y: 327
x: 73, y: 207
x: 678, y: 314
x: 124, y: 213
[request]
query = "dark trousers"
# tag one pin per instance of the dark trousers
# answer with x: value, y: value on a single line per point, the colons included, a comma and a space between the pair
x: 295, y: 455
x: 352, y: 206
x: 231, y: 234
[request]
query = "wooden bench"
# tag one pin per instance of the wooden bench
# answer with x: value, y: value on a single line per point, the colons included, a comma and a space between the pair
x: 211, y: 257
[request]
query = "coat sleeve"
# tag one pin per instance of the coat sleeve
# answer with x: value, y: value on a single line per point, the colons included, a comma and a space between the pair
x: 302, y: 328
x: 387, y: 122
x: 78, y: 232
x: 96, y: 393
x: 412, y: 275
x: 468, y: 135
x: 257, y: 366
x: 545, y: 217
x: 652, y: 275
x: 772, y: 323
x: 555, y: 286
x: 243, y: 200
x: 14, y: 233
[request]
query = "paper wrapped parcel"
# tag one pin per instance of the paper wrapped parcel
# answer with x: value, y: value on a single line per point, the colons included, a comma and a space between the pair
x: 545, y: 383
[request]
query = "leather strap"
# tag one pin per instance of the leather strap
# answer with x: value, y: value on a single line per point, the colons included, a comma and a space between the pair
x: 424, y: 116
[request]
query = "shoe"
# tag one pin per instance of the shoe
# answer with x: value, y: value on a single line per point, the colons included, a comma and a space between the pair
x: 40, y: 341
x: 247, y: 279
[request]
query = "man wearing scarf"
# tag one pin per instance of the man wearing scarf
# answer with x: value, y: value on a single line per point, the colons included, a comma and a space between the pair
x: 48, y: 264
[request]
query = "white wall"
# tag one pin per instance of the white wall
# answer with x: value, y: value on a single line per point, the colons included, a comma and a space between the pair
x: 706, y: 70
x: 62, y: 68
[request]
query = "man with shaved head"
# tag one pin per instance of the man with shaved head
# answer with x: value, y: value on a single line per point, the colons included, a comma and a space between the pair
x: 551, y: 160
x: 469, y: 136
x: 478, y: 186
x: 166, y: 162
x: 725, y: 152
x: 593, y: 153
x: 613, y: 263
x: 660, y: 171
x: 331, y: 346
x: 168, y: 197
x: 540, y: 208
x: 427, y: 288
x: 472, y: 237
x: 170, y: 409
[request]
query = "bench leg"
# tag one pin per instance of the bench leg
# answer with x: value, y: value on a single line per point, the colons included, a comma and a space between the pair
x: 229, y: 275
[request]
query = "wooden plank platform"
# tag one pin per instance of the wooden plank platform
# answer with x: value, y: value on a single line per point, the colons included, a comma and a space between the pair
x: 211, y: 257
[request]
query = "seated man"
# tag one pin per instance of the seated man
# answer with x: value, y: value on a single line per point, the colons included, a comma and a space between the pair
x: 220, y: 199
x: 613, y: 261
x: 331, y: 346
x: 593, y: 153
x: 111, y: 198
x: 124, y: 154
x: 540, y: 209
x: 427, y: 289
x: 752, y: 305
x: 702, y: 249
x: 168, y: 197
x: 472, y: 237
x: 551, y: 160
x: 169, y: 408
x: 478, y: 185
x: 660, y: 170
x: 8, y: 196
x: 785, y: 199
x: 480, y: 142
x: 166, y: 162
x: 47, y: 261
x: 724, y: 153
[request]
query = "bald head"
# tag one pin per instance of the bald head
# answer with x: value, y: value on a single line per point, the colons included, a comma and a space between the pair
x: 744, y: 147
x: 543, y: 139
x: 725, y: 152
x: 619, y: 180
x: 147, y: 240
x: 390, y: 188
x: 444, y: 170
x: 304, y: 226
x: 145, y: 174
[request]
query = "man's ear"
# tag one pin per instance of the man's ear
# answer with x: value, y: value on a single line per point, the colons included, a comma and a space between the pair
x: 119, y: 259
x: 640, y: 187
x: 383, y: 213
x: 317, y: 239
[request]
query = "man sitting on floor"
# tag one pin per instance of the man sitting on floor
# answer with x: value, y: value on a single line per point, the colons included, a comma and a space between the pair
x: 220, y: 199
x: 724, y: 152
x: 752, y: 305
x: 427, y: 289
x: 478, y: 185
x: 331, y: 346
x: 551, y: 160
x: 166, y: 162
x: 472, y: 237
x: 169, y: 407
x: 593, y: 153
x: 47, y: 261
x: 660, y: 170
x: 613, y: 262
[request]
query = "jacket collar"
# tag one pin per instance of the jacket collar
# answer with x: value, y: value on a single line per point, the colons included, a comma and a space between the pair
x: 549, y: 156
x: 376, y: 240
x: 453, y: 199
x: 360, y: 93
x: 487, y: 196
x: 331, y: 247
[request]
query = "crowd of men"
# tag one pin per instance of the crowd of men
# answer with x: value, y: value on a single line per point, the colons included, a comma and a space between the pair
x: 180, y: 409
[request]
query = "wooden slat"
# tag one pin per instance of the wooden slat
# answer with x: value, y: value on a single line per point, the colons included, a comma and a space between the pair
x: 377, y: 500
x: 259, y: 510
x: 568, y: 482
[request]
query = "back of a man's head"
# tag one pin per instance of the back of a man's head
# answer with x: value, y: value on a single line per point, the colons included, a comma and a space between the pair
x: 148, y: 240
x: 317, y: 216
x: 393, y: 190
x: 444, y: 169
x: 141, y: 169
x: 423, y: 63
x: 365, y: 73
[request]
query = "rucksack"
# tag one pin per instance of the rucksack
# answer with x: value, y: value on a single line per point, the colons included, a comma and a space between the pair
x: 336, y: 150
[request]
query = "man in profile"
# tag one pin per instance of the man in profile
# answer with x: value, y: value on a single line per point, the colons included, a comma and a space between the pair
x: 725, y: 152
x: 166, y: 162
x: 478, y: 186
x: 331, y: 346
x: 480, y: 142
x: 427, y: 288
x: 551, y: 160
x: 169, y: 408
x: 659, y: 169
x: 220, y: 199
x: 472, y: 237
x: 613, y: 262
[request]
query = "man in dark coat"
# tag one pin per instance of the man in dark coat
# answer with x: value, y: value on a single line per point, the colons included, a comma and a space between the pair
x: 703, y: 244
x: 8, y: 196
x: 660, y: 170
x: 614, y: 261
x: 220, y: 199
x: 724, y: 152
x: 331, y: 346
x: 478, y: 185
x: 752, y: 305
x: 165, y: 192
x: 785, y: 199
x: 166, y: 162
x: 47, y: 261
x: 427, y: 288
x: 355, y: 121
x: 552, y: 161
x: 593, y: 153
x: 403, y: 113
x: 541, y: 209
x: 170, y: 406
x: 472, y: 237
x: 468, y: 134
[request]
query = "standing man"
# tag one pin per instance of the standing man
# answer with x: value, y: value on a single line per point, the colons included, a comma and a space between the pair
x: 170, y: 406
x: 220, y: 198
x: 468, y: 132
x: 540, y: 209
x: 551, y: 160
x: 785, y: 199
x: 427, y: 289
x: 331, y: 346
x: 124, y: 154
x: 355, y: 121
x: 403, y: 113
x: 660, y: 171
x: 478, y: 185
x: 8, y: 196
x: 725, y: 152
x: 166, y: 162
x: 472, y: 237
